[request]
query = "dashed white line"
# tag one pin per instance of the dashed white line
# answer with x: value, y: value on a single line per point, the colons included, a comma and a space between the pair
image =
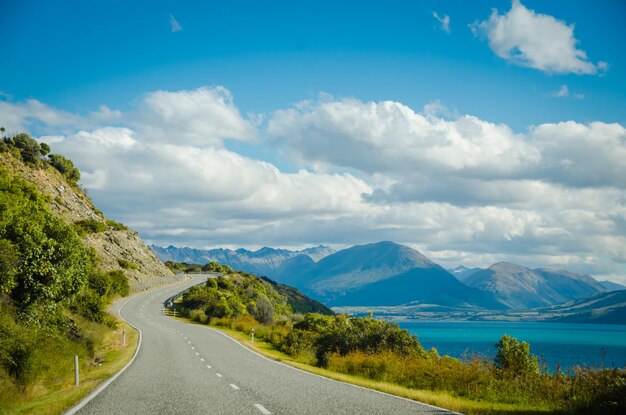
x: 201, y: 359
x: 219, y: 375
x: 208, y: 366
x: 235, y: 387
x: 262, y: 409
x: 197, y: 354
x: 193, y: 348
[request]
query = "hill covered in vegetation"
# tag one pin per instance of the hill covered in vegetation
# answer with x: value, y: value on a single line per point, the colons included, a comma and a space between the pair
x: 58, y: 273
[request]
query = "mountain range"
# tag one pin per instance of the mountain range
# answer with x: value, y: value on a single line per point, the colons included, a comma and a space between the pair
x: 265, y: 261
x: 387, y: 274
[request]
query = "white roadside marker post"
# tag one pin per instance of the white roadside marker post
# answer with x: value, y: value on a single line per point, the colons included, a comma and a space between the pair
x: 123, y: 337
x: 76, y: 377
x: 252, y: 335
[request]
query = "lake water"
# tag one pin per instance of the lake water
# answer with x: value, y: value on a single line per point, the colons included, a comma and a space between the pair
x: 564, y: 344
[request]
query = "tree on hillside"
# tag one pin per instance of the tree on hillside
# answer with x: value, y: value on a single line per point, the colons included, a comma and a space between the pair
x: 29, y: 148
x: 65, y: 166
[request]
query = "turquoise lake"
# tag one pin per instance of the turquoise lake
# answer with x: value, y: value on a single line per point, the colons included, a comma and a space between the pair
x: 564, y: 344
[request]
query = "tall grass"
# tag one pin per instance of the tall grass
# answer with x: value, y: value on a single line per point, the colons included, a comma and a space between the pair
x: 40, y: 379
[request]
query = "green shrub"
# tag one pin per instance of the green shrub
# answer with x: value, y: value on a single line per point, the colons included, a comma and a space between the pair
x: 116, y: 226
x: 64, y: 166
x: 29, y: 148
x: 127, y: 264
x: 89, y: 226
x: 514, y: 358
x: 119, y: 283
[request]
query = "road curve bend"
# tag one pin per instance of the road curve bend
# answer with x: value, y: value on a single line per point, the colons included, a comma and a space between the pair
x: 191, y: 369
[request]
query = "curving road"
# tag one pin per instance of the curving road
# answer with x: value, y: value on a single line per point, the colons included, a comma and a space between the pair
x: 191, y: 369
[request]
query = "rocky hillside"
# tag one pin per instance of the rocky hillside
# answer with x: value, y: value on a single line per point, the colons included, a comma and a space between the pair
x: 116, y: 247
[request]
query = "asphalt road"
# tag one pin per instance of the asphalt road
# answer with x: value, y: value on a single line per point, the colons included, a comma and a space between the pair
x: 191, y: 369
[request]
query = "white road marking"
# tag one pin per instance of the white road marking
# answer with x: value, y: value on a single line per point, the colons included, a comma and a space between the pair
x: 188, y: 342
x: 201, y: 359
x: 197, y: 354
x: 219, y: 375
x: 208, y: 366
x: 193, y: 348
x: 262, y: 409
x: 235, y: 387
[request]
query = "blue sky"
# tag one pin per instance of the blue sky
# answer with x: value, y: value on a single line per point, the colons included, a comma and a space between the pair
x: 474, y: 131
x: 78, y: 55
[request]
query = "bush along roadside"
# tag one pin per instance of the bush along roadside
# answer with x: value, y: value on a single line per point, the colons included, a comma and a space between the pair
x: 382, y: 352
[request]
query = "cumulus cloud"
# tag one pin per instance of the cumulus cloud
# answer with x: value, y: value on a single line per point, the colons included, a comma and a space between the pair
x: 459, y: 188
x: 389, y: 136
x: 203, y: 116
x: 540, y: 41
x: 444, y: 21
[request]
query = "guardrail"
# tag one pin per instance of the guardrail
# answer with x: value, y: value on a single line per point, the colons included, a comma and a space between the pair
x: 143, y: 285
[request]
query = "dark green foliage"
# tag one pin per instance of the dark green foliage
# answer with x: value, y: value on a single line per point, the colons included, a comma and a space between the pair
x: 119, y: 283
x: 514, y: 358
x: 89, y: 226
x: 50, y: 260
x: 65, y: 166
x: 299, y: 302
x: 44, y: 149
x: 343, y: 335
x: 236, y: 294
x: 29, y: 148
x: 9, y: 257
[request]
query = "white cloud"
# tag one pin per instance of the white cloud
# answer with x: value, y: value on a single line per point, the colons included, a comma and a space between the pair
x: 535, y: 40
x: 444, y: 21
x: 175, y: 26
x: 389, y: 136
x: 17, y: 116
x: 459, y: 188
x: 203, y: 116
x: 582, y: 154
x: 564, y: 92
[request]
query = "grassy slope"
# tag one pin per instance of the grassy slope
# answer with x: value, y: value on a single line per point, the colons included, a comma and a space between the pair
x: 54, y: 398
x: 437, y: 398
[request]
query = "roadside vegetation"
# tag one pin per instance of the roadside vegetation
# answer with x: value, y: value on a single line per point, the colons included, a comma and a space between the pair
x: 380, y: 355
x: 53, y: 296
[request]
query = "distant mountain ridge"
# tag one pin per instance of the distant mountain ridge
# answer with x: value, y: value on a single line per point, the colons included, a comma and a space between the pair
x: 265, y: 261
x: 523, y: 288
x: 603, y: 308
x: 461, y: 272
x: 386, y: 274
x: 612, y: 286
